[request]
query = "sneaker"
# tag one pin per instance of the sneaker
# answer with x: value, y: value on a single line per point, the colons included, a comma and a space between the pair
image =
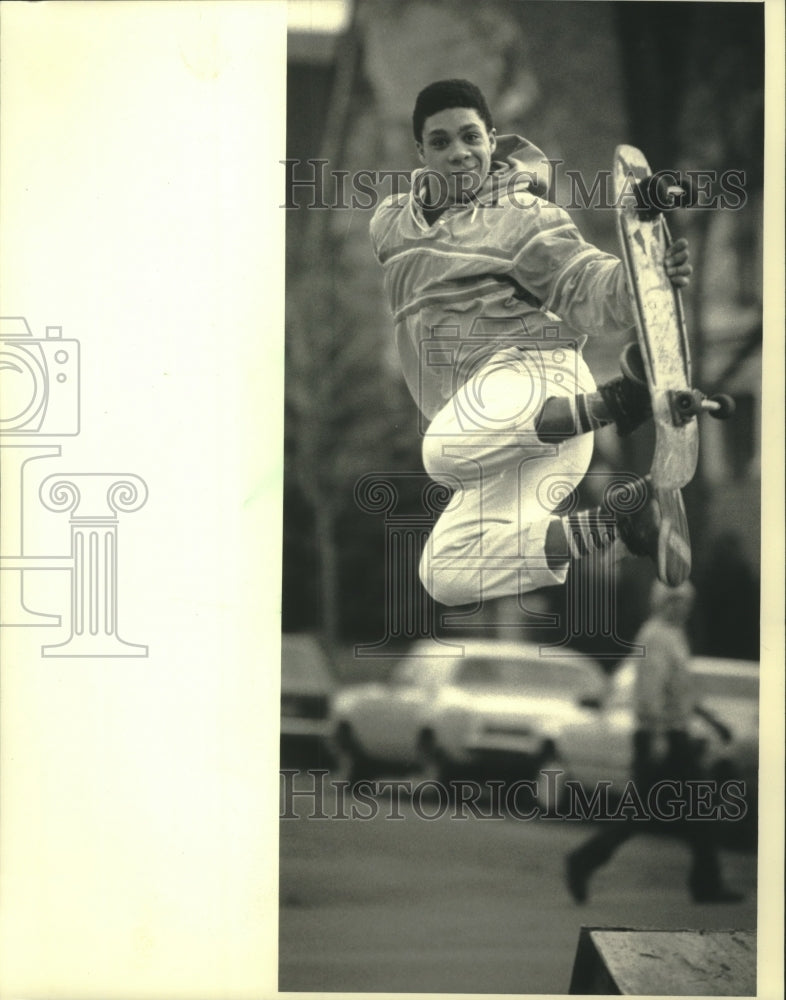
x: 656, y: 527
x: 632, y: 364
x: 627, y: 397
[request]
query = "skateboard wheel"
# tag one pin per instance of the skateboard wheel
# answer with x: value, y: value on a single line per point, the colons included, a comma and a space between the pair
x: 725, y: 406
x: 648, y: 203
x: 683, y: 192
x: 660, y: 193
x: 665, y: 193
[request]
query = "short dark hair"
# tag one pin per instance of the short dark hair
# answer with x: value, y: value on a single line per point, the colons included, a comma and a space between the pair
x: 448, y: 94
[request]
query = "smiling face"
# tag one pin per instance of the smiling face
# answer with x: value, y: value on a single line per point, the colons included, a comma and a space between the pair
x: 457, y: 147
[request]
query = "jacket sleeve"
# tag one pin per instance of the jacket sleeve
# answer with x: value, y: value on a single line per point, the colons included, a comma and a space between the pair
x: 569, y: 276
x: 383, y: 221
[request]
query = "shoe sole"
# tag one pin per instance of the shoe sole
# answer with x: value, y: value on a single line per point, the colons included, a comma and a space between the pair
x: 632, y: 364
x: 674, y: 552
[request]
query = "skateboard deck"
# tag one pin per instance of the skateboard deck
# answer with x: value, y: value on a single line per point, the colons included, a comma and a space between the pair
x: 660, y: 324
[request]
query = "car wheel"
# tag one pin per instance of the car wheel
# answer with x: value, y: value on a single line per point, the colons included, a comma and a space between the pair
x: 348, y: 762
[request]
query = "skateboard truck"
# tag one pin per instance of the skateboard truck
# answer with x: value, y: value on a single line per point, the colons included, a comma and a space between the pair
x: 684, y: 404
x: 688, y: 403
x: 658, y: 193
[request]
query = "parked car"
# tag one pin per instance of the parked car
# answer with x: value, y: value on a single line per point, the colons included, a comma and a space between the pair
x: 307, y: 687
x: 477, y: 712
x: 595, y: 745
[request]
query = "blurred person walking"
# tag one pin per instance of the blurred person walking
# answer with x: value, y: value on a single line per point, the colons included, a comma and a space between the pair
x: 664, y: 702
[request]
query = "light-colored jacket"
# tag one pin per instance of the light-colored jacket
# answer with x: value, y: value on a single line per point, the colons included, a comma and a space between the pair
x: 664, y: 693
x: 501, y: 270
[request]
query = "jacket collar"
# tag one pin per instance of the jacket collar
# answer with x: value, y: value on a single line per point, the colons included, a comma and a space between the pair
x: 518, y: 165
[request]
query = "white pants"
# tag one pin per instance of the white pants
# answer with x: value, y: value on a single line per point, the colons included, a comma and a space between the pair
x: 489, y: 541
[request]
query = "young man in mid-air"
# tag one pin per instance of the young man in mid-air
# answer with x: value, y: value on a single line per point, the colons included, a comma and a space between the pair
x: 493, y: 292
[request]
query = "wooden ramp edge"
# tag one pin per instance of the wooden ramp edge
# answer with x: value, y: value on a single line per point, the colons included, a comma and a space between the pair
x: 634, y: 961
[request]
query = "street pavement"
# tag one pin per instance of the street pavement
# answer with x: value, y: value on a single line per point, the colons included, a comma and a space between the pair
x: 470, y: 905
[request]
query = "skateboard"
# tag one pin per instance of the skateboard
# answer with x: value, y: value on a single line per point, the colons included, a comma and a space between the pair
x: 640, y: 199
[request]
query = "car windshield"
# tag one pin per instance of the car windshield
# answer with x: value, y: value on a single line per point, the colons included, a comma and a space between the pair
x: 542, y: 675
